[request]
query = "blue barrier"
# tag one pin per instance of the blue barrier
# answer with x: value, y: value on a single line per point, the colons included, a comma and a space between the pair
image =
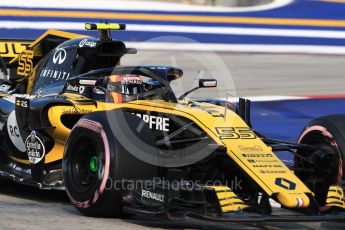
x: 284, y: 120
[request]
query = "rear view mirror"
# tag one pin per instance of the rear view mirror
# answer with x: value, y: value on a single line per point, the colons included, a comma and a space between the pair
x: 207, y: 82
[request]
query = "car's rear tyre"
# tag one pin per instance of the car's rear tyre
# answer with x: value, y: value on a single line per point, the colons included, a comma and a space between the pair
x: 327, y: 134
x: 95, y: 166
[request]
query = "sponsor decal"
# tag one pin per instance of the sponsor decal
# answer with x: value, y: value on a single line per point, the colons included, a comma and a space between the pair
x: 158, y: 67
x: 255, y: 148
x: 285, y: 183
x: 77, y: 89
x: 20, y: 169
x: 209, y: 83
x: 212, y: 112
x: 4, y: 88
x: 88, y: 43
x: 76, y: 110
x: 300, y: 202
x: 262, y: 161
x: 59, y: 56
x: 55, y: 74
x: 34, y: 148
x: 257, y: 155
x: 131, y: 79
x: 273, y: 171
x: 267, y: 166
x: 22, y: 102
x: 73, y: 88
x: 10, y: 49
x: 87, y: 82
x: 81, y: 89
x: 154, y: 122
x: 98, y: 91
x: 152, y: 195
x: 13, y: 132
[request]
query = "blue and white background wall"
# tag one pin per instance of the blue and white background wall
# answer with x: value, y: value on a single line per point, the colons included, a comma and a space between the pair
x: 294, y: 26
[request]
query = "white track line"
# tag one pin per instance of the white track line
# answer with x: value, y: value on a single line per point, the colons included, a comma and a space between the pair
x: 135, y: 5
x: 157, y: 44
x: 250, y: 48
x: 267, y: 98
x: 183, y: 29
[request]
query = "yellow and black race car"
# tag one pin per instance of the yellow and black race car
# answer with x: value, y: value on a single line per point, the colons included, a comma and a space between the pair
x: 119, y: 140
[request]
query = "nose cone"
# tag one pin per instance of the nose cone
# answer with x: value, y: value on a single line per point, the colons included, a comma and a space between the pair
x: 293, y: 200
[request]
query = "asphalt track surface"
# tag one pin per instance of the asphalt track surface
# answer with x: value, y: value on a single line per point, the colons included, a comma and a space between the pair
x: 253, y: 74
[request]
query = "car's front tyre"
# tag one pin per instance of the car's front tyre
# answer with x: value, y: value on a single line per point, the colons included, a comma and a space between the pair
x: 97, y: 168
x: 321, y: 167
x: 89, y: 169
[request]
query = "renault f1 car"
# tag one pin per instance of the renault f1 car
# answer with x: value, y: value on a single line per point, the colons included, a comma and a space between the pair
x: 119, y: 140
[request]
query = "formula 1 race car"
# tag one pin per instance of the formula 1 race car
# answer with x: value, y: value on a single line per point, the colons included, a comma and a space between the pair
x: 119, y: 140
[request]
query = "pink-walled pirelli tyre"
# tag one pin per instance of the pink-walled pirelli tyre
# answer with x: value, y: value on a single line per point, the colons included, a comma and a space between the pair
x: 327, y: 135
x: 95, y: 165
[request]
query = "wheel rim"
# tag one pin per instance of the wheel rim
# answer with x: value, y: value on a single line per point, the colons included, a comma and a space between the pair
x: 85, y: 164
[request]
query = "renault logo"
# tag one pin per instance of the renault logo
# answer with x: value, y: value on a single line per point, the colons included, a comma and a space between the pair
x: 285, y: 183
x: 59, y: 56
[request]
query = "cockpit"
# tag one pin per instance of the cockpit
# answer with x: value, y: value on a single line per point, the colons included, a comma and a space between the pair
x: 126, y: 83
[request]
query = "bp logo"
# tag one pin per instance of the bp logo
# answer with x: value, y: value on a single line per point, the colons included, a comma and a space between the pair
x: 34, y: 148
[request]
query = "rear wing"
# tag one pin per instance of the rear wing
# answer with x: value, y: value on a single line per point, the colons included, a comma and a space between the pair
x: 21, y: 56
x: 11, y: 48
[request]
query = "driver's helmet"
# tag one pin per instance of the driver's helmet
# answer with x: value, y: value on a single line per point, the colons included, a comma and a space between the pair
x: 124, y: 88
